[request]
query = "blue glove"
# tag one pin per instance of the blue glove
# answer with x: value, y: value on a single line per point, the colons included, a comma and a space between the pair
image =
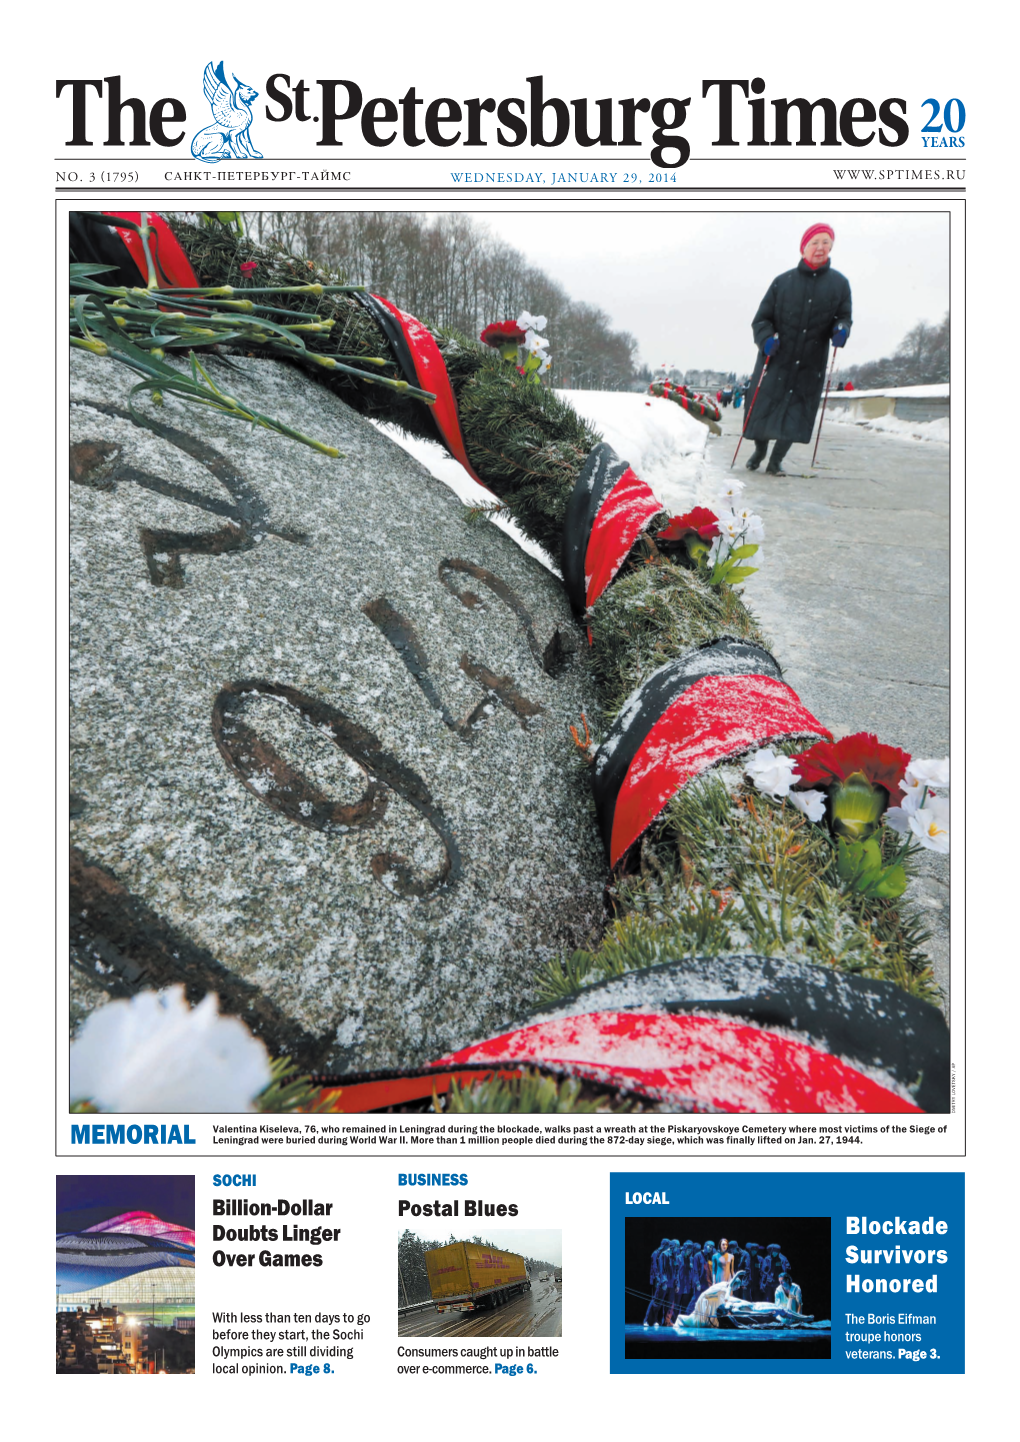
x: 772, y: 345
x: 839, y: 336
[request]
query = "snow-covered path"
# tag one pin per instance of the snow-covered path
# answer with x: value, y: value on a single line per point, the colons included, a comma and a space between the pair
x: 854, y: 594
x: 854, y: 584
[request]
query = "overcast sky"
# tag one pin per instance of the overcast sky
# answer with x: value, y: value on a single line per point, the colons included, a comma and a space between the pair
x: 687, y: 285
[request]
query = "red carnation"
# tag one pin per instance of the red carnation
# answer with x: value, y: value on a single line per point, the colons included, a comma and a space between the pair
x: 831, y: 761
x: 502, y: 333
x: 247, y: 266
x: 700, y: 522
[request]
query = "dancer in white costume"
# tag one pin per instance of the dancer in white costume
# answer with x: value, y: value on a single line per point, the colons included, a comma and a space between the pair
x: 707, y: 1305
x: 706, y: 1309
x: 788, y: 1295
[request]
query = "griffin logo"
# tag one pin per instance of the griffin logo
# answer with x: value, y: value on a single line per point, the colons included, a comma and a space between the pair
x: 227, y: 138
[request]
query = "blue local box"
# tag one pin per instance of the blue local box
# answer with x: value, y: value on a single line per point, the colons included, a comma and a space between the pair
x: 878, y: 1258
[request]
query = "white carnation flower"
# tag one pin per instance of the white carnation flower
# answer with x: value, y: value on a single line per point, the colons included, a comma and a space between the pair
x: 927, y: 773
x: 736, y: 528
x: 773, y: 775
x: 527, y: 321
x: 897, y: 818
x: 811, y: 803
x: 752, y: 527
x: 930, y: 824
x: 155, y: 1053
x: 920, y: 775
x: 729, y: 526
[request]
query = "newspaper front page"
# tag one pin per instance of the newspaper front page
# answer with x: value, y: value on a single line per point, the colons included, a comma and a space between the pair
x: 509, y: 549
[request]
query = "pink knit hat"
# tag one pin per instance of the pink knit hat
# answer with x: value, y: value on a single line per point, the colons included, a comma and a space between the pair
x: 819, y: 229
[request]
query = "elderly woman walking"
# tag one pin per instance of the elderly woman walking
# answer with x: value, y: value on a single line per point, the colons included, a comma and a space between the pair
x: 804, y: 309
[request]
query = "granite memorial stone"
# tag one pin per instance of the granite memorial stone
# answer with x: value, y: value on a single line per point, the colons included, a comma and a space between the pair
x: 320, y: 752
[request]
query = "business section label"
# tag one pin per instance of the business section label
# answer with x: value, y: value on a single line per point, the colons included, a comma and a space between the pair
x: 787, y: 1271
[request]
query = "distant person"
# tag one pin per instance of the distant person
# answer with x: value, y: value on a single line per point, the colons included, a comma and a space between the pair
x: 737, y: 397
x: 701, y: 1263
x: 849, y: 386
x: 802, y: 312
x: 716, y: 1267
x: 788, y: 1295
x: 659, y: 1280
x: 752, y: 1286
x: 741, y: 1261
x: 672, y: 1269
x: 773, y: 1264
x: 708, y: 1253
x: 689, y: 1277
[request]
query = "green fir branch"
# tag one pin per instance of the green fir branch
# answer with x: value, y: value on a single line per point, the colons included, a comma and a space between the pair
x: 532, y: 1092
x: 291, y: 1091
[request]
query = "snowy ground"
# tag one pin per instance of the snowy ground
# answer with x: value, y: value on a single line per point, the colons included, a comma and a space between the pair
x: 907, y: 392
x: 858, y: 621
x: 937, y: 430
x: 662, y: 443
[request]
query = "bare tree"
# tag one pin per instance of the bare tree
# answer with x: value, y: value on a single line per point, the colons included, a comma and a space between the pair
x: 453, y: 272
x: 921, y: 358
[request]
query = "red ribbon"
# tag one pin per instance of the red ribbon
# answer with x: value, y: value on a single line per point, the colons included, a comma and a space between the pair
x: 432, y: 376
x: 622, y: 517
x: 707, y: 1063
x: 715, y: 718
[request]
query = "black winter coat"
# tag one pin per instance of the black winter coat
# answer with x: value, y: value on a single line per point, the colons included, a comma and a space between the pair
x: 802, y: 307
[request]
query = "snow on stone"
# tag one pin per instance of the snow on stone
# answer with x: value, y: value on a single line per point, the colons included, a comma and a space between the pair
x: 439, y: 463
x: 662, y: 443
x: 295, y: 910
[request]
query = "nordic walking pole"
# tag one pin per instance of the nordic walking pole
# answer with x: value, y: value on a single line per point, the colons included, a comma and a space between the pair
x: 821, y: 418
x: 747, y: 416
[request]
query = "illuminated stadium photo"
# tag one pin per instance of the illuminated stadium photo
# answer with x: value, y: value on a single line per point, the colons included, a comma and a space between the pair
x: 125, y: 1278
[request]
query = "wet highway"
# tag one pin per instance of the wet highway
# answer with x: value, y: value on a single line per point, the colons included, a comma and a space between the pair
x: 535, y: 1314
